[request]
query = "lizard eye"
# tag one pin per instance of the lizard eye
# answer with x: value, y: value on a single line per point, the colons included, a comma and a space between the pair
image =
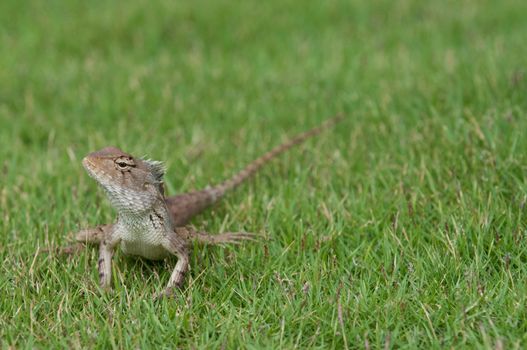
x: 124, y: 163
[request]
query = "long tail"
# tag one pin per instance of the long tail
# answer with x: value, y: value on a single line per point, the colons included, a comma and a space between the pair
x: 253, y: 167
x: 185, y: 206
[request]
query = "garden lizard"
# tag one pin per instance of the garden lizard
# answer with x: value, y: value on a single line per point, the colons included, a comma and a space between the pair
x: 151, y: 225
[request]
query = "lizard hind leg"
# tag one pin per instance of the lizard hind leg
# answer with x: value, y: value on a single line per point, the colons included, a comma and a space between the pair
x: 215, y: 239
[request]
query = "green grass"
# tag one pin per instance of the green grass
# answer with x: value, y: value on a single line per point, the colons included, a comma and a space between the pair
x: 405, y: 227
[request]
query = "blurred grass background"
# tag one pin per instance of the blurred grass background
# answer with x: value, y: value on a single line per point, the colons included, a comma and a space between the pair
x: 402, y: 228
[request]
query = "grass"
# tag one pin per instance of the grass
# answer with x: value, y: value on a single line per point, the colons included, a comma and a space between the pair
x: 402, y: 228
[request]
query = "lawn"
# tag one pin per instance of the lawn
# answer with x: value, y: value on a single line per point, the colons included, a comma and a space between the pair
x: 404, y: 227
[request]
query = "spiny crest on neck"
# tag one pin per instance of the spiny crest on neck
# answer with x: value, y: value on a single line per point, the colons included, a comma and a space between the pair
x: 157, y: 168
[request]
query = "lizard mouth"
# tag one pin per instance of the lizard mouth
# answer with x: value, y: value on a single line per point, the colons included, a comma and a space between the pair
x: 95, y: 172
x: 91, y: 169
x: 88, y: 166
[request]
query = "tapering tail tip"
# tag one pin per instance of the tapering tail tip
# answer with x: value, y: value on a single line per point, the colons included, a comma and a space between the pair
x: 250, y: 169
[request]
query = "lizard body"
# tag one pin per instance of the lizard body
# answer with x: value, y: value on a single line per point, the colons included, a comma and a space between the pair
x: 151, y: 225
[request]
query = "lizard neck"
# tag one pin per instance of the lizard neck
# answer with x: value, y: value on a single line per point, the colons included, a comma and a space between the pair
x: 145, y: 225
x: 156, y: 215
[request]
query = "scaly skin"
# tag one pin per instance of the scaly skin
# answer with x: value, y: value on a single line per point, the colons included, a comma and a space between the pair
x: 149, y: 224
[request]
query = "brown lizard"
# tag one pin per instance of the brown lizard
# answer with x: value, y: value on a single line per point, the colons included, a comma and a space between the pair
x: 151, y: 225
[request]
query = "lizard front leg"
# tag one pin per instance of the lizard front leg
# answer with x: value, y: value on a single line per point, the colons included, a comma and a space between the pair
x: 178, y: 246
x: 106, y: 249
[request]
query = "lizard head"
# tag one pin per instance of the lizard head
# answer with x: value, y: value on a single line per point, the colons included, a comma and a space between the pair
x: 132, y: 184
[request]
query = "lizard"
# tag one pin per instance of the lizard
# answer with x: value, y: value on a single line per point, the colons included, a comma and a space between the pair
x: 151, y: 225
